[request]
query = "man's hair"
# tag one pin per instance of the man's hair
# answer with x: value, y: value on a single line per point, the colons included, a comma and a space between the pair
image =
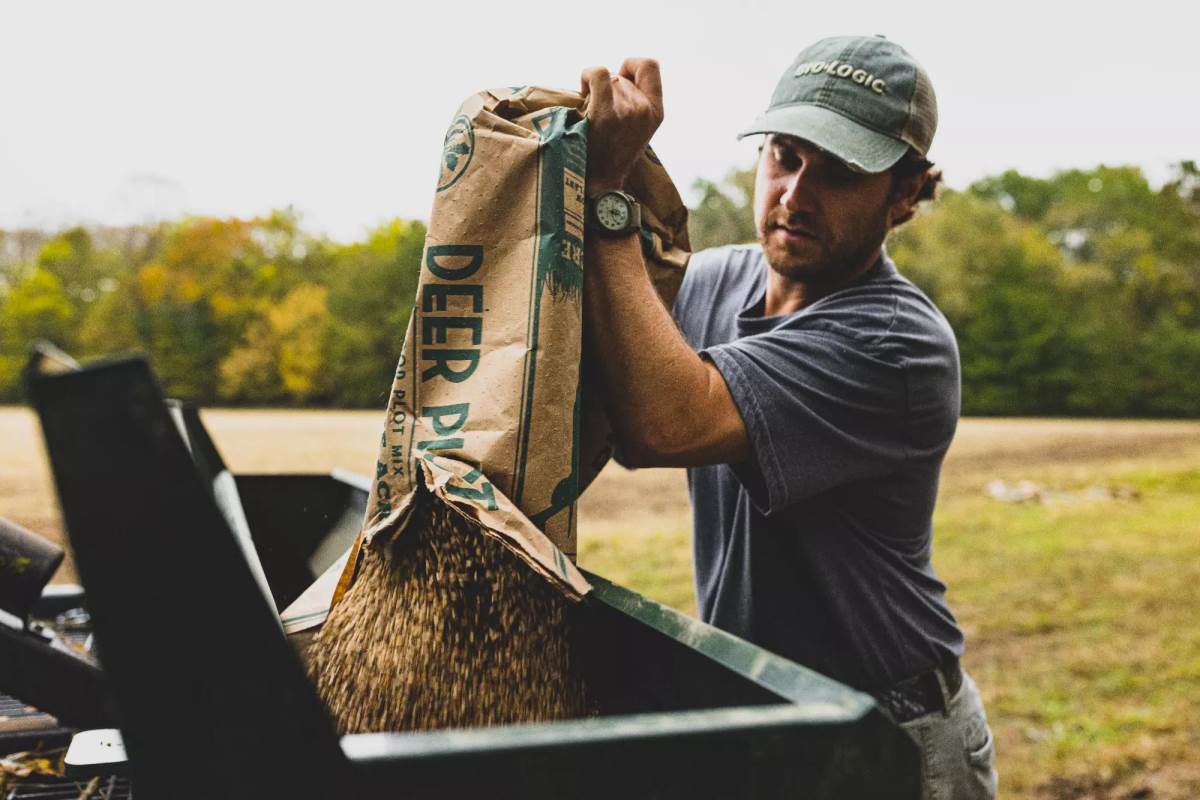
x: 911, y: 165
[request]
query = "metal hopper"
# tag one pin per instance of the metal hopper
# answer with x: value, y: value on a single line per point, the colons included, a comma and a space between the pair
x: 204, y: 683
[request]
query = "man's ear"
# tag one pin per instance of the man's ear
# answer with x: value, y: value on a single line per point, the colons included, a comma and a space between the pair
x: 903, y: 199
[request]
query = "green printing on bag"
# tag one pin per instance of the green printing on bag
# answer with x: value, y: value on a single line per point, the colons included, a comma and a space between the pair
x: 558, y: 269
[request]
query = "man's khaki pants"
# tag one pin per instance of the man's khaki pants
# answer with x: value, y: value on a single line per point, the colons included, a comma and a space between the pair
x: 958, y: 758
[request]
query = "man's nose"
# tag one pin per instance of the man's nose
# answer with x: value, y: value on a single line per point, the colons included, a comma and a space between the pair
x: 797, y: 184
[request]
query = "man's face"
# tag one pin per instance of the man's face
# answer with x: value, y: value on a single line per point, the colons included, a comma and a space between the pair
x: 817, y: 219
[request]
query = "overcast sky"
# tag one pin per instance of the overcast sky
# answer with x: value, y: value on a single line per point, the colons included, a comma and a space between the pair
x: 120, y: 111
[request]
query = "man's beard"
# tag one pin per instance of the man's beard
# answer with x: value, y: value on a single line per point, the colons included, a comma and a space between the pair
x: 819, y: 258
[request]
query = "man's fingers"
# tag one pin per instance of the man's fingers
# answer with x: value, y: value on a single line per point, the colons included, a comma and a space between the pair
x: 624, y: 109
x: 585, y: 79
x: 596, y: 85
x: 645, y: 76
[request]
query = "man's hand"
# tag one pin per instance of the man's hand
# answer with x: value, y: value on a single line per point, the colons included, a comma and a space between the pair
x: 623, y: 111
x: 668, y: 407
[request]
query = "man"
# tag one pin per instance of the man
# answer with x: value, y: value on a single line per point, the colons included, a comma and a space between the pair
x: 811, y: 390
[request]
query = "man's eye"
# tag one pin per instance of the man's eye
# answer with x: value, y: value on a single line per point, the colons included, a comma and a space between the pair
x: 787, y: 158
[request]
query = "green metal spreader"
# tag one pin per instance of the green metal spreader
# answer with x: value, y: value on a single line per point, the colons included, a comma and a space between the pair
x: 213, y: 702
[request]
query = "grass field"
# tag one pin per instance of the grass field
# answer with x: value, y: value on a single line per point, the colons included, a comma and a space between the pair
x: 1082, y: 614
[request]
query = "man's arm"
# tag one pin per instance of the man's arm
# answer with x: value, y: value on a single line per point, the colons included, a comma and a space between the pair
x: 667, y: 405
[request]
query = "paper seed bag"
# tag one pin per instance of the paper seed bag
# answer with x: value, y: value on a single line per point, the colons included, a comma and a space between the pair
x: 487, y: 410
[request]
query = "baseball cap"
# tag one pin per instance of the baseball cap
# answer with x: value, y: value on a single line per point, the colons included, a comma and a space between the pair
x: 862, y: 98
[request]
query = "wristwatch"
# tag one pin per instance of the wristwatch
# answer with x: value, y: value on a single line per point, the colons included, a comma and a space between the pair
x: 614, y: 213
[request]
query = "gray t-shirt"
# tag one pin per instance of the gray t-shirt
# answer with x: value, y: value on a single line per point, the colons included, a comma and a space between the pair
x: 818, y: 547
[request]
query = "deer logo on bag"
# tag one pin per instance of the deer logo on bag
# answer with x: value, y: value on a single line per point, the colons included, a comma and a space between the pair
x: 457, y: 149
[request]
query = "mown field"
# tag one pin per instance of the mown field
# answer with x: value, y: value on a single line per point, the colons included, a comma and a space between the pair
x: 1082, y: 610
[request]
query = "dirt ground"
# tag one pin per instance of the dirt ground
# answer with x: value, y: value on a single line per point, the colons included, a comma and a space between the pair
x: 319, y: 441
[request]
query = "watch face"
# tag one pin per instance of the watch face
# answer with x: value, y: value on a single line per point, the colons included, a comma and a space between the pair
x: 612, y: 211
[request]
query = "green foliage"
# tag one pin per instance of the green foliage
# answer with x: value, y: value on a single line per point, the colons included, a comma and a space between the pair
x: 227, y: 310
x: 279, y: 360
x: 370, y: 301
x: 1076, y: 294
x: 1131, y: 289
x: 1171, y: 364
x: 996, y: 278
x: 37, y: 307
x: 724, y: 214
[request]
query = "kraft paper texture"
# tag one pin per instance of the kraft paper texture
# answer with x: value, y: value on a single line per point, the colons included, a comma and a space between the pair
x: 488, y: 410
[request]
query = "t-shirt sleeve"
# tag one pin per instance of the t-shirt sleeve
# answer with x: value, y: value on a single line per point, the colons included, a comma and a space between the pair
x: 820, y: 411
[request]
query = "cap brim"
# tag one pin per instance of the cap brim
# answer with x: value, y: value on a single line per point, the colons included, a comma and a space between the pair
x: 855, y: 144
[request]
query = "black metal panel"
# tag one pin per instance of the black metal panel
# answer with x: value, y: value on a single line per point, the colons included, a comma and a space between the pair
x: 206, y: 683
x: 773, y: 752
x: 209, y: 688
x: 204, y: 451
x: 634, y: 668
x: 63, y: 684
x: 290, y: 516
x: 27, y: 562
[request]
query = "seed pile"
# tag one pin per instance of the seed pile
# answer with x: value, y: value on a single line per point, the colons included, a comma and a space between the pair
x: 445, y: 628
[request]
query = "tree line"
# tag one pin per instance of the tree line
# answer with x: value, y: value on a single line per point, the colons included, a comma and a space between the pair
x: 230, y: 311
x: 1076, y: 294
